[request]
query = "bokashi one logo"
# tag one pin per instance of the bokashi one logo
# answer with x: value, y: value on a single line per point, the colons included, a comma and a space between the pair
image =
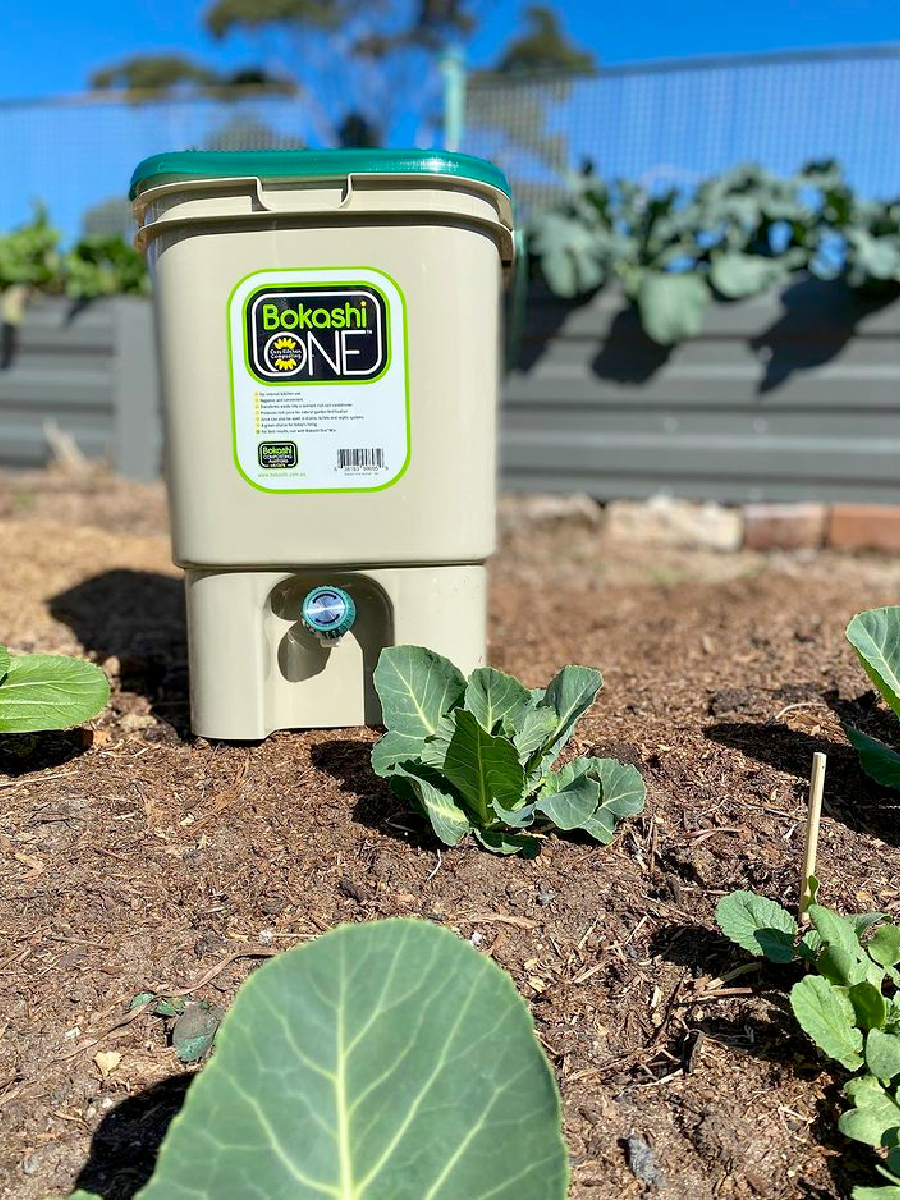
x: 326, y: 333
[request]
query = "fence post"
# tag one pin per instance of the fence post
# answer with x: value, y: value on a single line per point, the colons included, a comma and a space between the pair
x: 136, y: 410
x: 453, y: 68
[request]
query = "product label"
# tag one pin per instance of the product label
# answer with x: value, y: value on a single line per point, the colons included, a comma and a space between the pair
x: 319, y: 380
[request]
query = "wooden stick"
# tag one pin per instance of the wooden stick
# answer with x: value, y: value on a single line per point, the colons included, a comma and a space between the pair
x: 814, y: 816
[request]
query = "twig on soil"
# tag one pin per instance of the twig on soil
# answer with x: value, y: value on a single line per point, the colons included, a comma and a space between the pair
x: 485, y: 918
x: 790, y: 708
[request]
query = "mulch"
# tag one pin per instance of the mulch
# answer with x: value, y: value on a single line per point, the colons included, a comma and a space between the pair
x: 135, y: 855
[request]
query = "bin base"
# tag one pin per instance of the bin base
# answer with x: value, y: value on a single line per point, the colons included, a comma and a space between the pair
x: 255, y: 668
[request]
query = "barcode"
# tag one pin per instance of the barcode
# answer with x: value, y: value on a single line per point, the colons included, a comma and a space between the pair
x: 366, y: 459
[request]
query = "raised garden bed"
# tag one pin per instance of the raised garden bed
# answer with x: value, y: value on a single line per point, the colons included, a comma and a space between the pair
x: 145, y: 855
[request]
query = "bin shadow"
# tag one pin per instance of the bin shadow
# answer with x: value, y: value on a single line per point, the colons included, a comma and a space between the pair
x: 138, y: 618
x: 125, y: 1146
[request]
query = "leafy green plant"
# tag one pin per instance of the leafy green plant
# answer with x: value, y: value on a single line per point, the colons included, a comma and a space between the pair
x: 735, y: 236
x: 476, y: 755
x: 105, y: 266
x: 383, y: 1061
x: 875, y: 636
x: 48, y: 691
x: 848, y: 1004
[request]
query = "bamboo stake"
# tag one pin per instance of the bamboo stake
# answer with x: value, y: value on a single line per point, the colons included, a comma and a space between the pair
x: 813, y: 818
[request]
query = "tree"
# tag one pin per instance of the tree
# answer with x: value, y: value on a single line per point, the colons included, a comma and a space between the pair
x: 173, y: 74
x: 354, y: 65
x: 511, y: 98
x: 543, y: 48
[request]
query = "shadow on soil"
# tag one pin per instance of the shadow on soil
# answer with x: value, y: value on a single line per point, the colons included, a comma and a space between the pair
x: 124, y: 1148
x: 851, y: 796
x: 22, y: 753
x: 138, y: 618
x: 375, y: 805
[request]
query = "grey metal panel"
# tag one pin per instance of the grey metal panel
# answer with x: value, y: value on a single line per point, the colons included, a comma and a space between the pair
x: 90, y: 368
x: 761, y: 405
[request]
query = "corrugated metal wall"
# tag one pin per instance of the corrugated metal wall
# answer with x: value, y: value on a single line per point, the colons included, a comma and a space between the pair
x: 780, y: 398
x: 91, y: 371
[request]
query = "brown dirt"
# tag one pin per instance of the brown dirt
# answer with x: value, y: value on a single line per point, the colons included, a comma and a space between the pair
x: 143, y: 856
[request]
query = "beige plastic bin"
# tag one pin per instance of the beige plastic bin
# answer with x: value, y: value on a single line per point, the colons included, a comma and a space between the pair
x: 328, y: 328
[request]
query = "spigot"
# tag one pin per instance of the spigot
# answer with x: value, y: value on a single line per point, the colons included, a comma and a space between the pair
x: 328, y: 612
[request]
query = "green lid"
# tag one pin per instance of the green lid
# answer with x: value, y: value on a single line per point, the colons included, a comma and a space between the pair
x: 307, y: 164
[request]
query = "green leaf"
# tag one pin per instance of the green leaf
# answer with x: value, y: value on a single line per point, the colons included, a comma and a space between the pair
x: 570, y: 693
x: 888, y: 1192
x: 842, y: 960
x: 568, y: 798
x: 879, y: 761
x: 5, y: 660
x: 884, y: 945
x: 482, y: 767
x: 434, y: 750
x: 671, y: 305
x: 50, y: 691
x: 875, y: 636
x: 571, y: 258
x: 447, y: 819
x: 737, y: 276
x: 758, y: 925
x: 416, y: 688
x: 876, y: 1115
x: 537, y: 730
x: 622, y: 787
x: 386, y: 1059
x: 883, y: 1054
x: 494, y: 697
x: 393, y: 749
x: 868, y: 1004
x: 826, y: 1015
x: 500, y: 841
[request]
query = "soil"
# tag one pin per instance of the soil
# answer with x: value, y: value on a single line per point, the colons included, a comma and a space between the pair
x: 136, y: 855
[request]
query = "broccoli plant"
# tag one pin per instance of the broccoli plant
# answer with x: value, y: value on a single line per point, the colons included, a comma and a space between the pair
x: 476, y: 755
x: 383, y: 1060
x: 48, y: 691
x: 848, y: 1003
x: 875, y: 636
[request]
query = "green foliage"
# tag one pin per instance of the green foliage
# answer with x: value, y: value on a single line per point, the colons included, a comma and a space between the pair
x: 849, y: 1006
x: 104, y: 266
x: 31, y: 260
x: 48, y: 691
x: 737, y: 235
x: 387, y: 1059
x: 30, y: 254
x: 875, y: 636
x: 476, y: 755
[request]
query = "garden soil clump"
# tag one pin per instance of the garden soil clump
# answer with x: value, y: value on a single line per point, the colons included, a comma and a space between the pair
x: 136, y: 857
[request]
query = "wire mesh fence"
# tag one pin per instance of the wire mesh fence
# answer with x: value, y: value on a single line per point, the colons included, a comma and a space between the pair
x: 76, y: 155
x: 668, y: 123
x: 674, y: 123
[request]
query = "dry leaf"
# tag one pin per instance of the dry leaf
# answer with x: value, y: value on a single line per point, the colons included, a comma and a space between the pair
x: 107, y: 1061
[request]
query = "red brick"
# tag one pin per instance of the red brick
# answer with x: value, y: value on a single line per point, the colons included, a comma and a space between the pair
x: 784, y: 526
x: 864, y: 527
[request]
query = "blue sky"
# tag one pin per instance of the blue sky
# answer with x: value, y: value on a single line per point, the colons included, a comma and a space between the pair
x: 72, y: 156
x: 83, y: 37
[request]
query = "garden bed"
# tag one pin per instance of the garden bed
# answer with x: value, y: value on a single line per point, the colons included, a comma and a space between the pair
x: 141, y: 856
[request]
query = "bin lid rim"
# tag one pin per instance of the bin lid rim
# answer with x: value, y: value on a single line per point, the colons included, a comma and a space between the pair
x: 312, y: 164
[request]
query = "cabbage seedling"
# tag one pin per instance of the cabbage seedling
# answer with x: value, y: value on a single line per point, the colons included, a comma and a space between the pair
x: 875, y: 636
x: 476, y: 755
